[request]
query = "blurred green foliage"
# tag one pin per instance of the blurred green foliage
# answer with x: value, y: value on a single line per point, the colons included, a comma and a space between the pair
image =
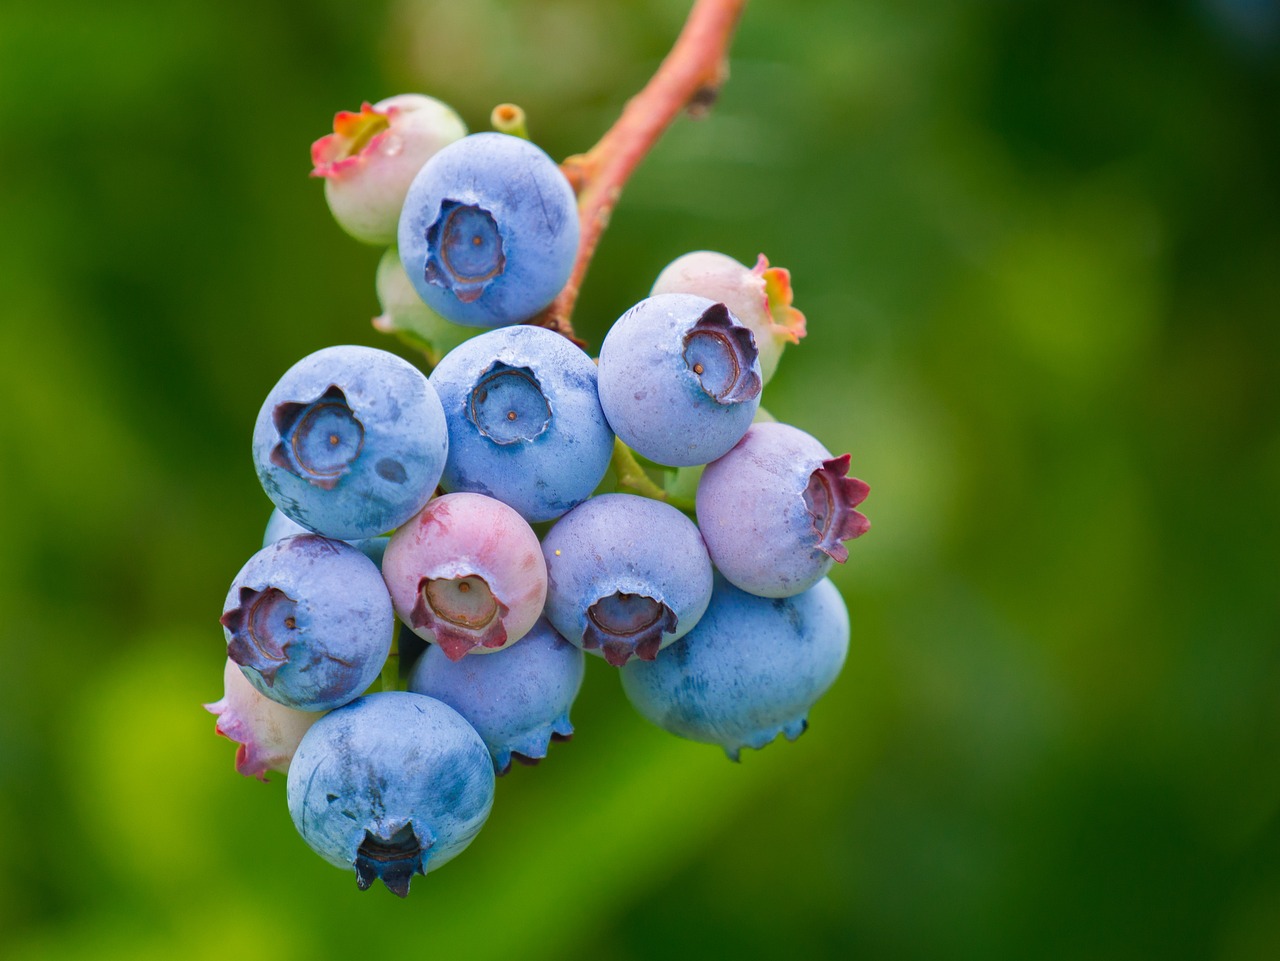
x: 1038, y: 245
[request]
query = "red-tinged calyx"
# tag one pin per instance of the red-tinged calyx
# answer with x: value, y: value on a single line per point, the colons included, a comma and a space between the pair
x: 830, y: 498
x: 262, y: 627
x: 722, y: 354
x: 462, y: 613
x: 320, y: 440
x: 394, y: 860
x: 355, y: 135
x: 786, y: 322
x: 622, y: 625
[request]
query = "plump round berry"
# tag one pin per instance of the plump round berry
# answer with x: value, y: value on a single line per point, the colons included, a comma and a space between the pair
x: 759, y: 296
x: 467, y: 574
x: 627, y: 575
x: 518, y: 700
x: 750, y: 670
x: 267, y: 733
x: 351, y: 442
x: 679, y: 379
x: 776, y: 509
x: 392, y: 785
x: 309, y: 622
x: 525, y: 424
x: 489, y: 231
x: 373, y: 155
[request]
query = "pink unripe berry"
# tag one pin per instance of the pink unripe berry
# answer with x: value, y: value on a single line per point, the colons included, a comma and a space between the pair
x: 268, y: 733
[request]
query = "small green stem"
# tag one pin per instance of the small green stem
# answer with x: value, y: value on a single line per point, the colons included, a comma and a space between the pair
x: 631, y: 475
x: 509, y: 118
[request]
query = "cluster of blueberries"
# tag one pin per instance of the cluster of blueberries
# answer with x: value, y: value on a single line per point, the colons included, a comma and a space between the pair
x: 725, y: 630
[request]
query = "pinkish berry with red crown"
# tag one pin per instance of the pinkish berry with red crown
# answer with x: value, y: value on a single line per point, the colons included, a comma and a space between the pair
x: 373, y: 155
x: 267, y: 733
x: 466, y: 573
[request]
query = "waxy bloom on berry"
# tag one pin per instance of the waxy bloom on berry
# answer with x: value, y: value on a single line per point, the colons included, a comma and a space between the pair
x: 373, y: 155
x: 267, y: 733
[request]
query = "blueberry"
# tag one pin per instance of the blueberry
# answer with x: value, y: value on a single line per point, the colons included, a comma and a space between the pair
x: 489, y: 231
x: 373, y: 155
x: 467, y: 574
x: 351, y: 442
x: 309, y: 621
x: 279, y: 527
x: 267, y: 732
x: 626, y: 575
x: 750, y: 670
x: 759, y: 296
x: 392, y: 785
x: 525, y: 424
x: 679, y: 379
x: 517, y: 700
x: 776, y: 509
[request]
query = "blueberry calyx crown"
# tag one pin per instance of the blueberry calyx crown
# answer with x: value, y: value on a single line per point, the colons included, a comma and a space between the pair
x: 507, y: 405
x: 394, y: 860
x: 721, y: 353
x: 621, y: 625
x: 464, y: 250
x: 261, y: 626
x: 830, y: 497
x: 319, y: 439
x: 462, y: 613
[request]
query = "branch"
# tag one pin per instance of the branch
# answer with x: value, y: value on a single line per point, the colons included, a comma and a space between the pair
x: 688, y: 79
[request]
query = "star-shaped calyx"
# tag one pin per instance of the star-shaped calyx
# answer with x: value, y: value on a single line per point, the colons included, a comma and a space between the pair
x: 722, y: 354
x: 830, y: 498
x: 464, y: 250
x: 320, y: 440
x: 262, y: 627
x: 621, y: 625
x: 394, y: 860
x: 461, y: 612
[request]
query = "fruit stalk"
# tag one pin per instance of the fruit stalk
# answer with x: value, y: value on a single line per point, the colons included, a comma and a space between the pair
x: 688, y: 79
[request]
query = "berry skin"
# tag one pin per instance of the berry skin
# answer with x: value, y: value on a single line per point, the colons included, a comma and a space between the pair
x: 267, y: 733
x: 372, y: 156
x: 525, y: 424
x: 679, y: 379
x: 489, y: 231
x: 749, y: 671
x: 775, y: 510
x: 758, y: 296
x: 309, y: 622
x: 627, y: 576
x: 351, y: 442
x: 518, y: 701
x: 279, y: 527
x: 392, y: 785
x: 467, y: 574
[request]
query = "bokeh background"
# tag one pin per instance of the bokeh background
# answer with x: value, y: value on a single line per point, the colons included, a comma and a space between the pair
x: 1038, y: 245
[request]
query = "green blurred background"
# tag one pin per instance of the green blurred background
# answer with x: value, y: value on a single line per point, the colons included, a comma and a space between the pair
x: 1038, y: 245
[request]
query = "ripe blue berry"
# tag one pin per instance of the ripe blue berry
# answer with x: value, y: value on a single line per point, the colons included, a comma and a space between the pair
x: 776, y: 509
x: 489, y: 231
x: 518, y: 700
x: 351, y: 442
x: 392, y: 785
x: 309, y: 621
x: 627, y: 576
x: 279, y: 527
x: 525, y: 424
x: 679, y: 379
x: 750, y: 670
